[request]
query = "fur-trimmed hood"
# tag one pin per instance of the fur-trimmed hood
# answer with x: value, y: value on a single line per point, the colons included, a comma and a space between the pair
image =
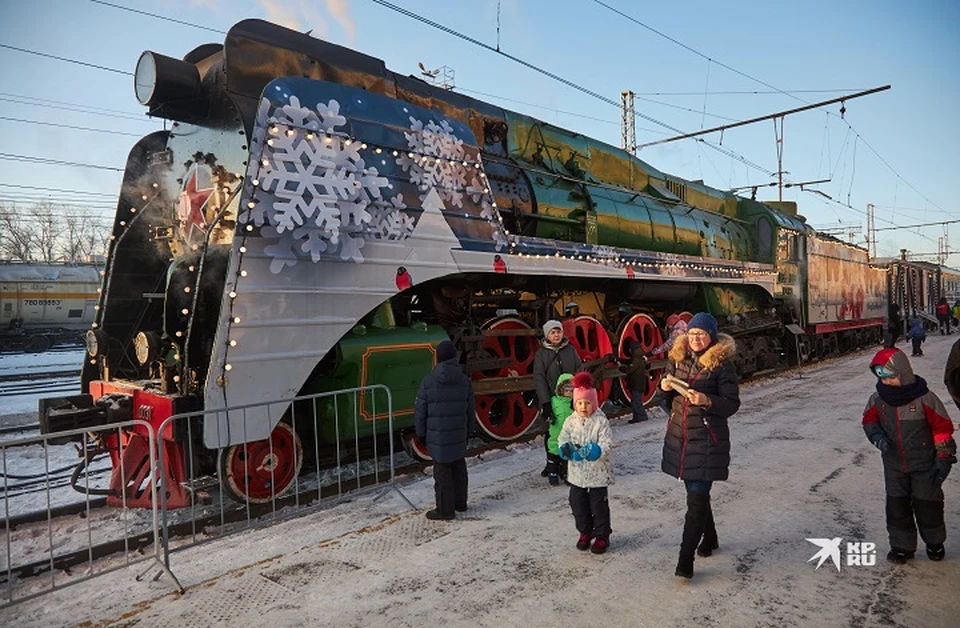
x: 716, y: 354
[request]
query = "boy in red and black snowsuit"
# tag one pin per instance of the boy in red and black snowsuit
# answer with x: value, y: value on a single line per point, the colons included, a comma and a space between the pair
x: 909, y: 425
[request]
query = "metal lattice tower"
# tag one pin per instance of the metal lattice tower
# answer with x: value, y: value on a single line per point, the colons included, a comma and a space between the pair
x: 442, y: 77
x: 628, y: 130
x: 871, y: 231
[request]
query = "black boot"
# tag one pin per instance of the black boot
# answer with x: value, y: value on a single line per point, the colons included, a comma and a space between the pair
x: 710, y: 541
x: 693, y: 525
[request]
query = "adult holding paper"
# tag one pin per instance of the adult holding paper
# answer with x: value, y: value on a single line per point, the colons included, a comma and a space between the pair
x: 701, y: 383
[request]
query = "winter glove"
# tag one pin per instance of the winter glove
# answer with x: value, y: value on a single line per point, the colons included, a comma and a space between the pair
x: 880, y: 442
x: 941, y: 469
x: 566, y: 451
x: 546, y: 411
x: 590, y: 452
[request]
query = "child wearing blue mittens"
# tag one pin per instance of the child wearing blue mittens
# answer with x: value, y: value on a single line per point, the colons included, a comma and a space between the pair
x: 585, y: 441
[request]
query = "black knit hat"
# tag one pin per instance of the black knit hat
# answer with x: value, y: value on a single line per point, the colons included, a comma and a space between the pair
x: 446, y: 350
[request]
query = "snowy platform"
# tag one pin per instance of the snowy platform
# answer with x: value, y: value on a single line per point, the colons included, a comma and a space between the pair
x: 801, y: 469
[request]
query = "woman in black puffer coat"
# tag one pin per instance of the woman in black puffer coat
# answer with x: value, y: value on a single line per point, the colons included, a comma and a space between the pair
x: 696, y: 448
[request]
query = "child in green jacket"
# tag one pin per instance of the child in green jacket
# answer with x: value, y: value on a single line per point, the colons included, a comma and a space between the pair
x: 562, y: 405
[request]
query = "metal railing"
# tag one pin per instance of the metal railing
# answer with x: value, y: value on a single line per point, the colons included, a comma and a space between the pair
x: 169, y: 496
x: 254, y: 486
x: 39, y: 558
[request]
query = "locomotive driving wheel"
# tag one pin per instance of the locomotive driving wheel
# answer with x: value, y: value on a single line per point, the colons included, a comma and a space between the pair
x: 590, y: 339
x: 505, y: 416
x: 643, y: 329
x: 415, y: 448
x: 258, y: 471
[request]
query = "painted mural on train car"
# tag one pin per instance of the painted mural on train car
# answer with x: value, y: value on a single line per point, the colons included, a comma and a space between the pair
x: 841, y: 283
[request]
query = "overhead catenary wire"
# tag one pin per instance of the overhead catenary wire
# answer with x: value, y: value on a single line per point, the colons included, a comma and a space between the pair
x: 55, y: 162
x: 70, y: 126
x: 65, y: 59
x: 476, y: 42
x: 791, y: 94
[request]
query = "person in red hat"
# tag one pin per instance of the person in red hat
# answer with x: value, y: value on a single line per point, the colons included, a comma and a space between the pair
x: 585, y: 442
x: 908, y: 423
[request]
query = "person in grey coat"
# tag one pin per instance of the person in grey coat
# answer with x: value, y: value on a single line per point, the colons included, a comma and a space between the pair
x: 555, y: 356
x: 443, y: 418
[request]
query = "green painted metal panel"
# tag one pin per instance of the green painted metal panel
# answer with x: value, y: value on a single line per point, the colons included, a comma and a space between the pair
x: 398, y: 358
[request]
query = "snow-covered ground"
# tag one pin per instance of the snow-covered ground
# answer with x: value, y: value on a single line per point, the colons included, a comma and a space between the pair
x: 801, y: 469
x: 20, y: 409
x: 22, y: 465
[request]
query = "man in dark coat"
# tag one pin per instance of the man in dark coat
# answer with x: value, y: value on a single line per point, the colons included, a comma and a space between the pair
x: 444, y: 420
x: 635, y: 372
x: 696, y: 449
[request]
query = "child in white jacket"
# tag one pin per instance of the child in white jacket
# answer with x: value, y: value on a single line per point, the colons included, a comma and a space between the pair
x: 585, y: 441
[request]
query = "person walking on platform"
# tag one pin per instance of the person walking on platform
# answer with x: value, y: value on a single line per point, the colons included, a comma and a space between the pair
x: 701, y: 383
x: 916, y: 335
x: 635, y: 372
x: 585, y: 442
x: 894, y: 323
x: 555, y: 356
x: 909, y: 425
x: 443, y: 419
x: 943, y: 315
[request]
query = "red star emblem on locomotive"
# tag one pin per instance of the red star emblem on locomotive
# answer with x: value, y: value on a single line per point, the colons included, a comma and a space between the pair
x: 191, y: 206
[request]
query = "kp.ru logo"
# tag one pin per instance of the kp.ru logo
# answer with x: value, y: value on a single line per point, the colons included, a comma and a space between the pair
x: 858, y: 554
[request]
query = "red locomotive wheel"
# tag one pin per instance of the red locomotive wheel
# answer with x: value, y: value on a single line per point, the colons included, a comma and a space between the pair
x: 509, y: 415
x: 257, y: 472
x: 591, y: 340
x: 643, y: 329
x: 415, y: 448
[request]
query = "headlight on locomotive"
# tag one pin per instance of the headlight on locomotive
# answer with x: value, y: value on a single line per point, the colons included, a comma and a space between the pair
x: 147, y: 347
x: 96, y: 341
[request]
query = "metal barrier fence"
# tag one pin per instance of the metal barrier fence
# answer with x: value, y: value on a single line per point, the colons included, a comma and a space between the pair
x: 160, y: 509
x: 260, y: 483
x: 40, y: 557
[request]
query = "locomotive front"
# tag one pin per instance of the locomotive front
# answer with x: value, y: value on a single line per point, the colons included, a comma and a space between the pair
x: 159, y: 301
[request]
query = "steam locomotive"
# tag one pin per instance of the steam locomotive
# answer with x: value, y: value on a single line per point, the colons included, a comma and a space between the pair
x: 312, y: 221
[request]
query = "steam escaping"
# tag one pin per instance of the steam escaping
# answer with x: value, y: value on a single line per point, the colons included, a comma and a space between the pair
x: 303, y: 16
x: 339, y: 10
x: 296, y: 15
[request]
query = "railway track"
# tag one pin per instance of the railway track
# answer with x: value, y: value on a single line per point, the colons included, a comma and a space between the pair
x: 17, y: 384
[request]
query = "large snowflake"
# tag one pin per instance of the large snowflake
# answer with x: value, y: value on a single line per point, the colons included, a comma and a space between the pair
x: 318, y: 196
x: 436, y: 161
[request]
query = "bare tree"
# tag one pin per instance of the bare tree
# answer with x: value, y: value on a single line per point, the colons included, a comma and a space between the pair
x: 16, y: 237
x: 48, y: 232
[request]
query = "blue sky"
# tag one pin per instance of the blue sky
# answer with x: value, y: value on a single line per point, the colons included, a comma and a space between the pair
x: 708, y: 63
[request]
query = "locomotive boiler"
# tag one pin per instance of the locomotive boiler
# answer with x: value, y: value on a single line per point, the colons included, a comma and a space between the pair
x: 312, y: 221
